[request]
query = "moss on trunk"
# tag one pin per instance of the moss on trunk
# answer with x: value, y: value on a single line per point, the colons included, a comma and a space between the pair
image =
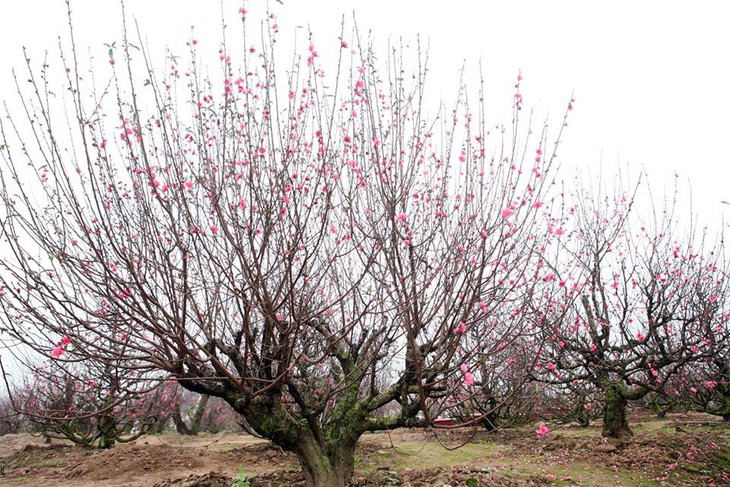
x: 615, y: 422
x: 326, y: 451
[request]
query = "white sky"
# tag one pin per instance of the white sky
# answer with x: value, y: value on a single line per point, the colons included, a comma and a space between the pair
x: 651, y: 78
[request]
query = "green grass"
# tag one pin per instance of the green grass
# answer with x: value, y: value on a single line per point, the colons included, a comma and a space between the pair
x: 432, y: 454
x: 586, y: 474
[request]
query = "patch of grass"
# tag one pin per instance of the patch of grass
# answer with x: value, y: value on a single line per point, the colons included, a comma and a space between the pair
x: 224, y: 447
x: 723, y: 460
x: 587, y: 432
x: 586, y: 474
x: 432, y: 454
x: 650, y: 427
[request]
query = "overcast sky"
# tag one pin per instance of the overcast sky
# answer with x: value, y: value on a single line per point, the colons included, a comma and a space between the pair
x: 651, y: 78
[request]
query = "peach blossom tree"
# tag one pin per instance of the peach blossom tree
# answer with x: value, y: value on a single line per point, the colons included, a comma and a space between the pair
x: 309, y: 246
x: 89, y: 403
x: 640, y: 300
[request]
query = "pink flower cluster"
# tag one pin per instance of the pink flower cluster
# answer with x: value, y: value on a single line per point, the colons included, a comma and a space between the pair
x: 60, y: 348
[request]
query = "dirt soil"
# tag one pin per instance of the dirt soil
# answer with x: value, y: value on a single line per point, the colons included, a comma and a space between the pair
x: 684, y: 450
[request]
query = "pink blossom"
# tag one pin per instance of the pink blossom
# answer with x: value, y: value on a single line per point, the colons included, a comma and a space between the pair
x: 401, y: 216
x: 65, y: 341
x: 214, y: 230
x: 593, y: 347
x: 711, y: 384
x: 506, y: 212
x: 537, y: 204
x: 464, y: 368
x: 542, y: 431
x: 483, y: 306
x: 189, y: 184
x: 468, y: 379
x: 460, y: 329
x: 56, y: 351
x: 640, y: 337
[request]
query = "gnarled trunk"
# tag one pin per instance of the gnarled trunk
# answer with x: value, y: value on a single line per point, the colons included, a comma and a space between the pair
x: 615, y: 423
x: 107, y: 431
x: 331, y: 466
x: 326, y: 453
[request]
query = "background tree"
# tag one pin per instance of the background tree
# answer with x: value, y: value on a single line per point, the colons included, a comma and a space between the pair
x: 89, y: 406
x: 11, y: 421
x: 705, y: 384
x: 637, y: 315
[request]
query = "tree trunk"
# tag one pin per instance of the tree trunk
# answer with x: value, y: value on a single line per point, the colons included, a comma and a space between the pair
x: 107, y: 431
x: 332, y: 468
x: 199, y: 413
x: 725, y: 412
x: 194, y: 428
x: 180, y: 426
x: 615, y: 424
x: 326, y: 453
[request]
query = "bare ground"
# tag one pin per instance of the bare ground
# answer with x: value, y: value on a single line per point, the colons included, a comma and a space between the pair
x: 684, y: 450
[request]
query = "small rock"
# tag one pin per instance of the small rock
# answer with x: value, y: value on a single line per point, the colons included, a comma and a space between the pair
x: 605, y: 448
